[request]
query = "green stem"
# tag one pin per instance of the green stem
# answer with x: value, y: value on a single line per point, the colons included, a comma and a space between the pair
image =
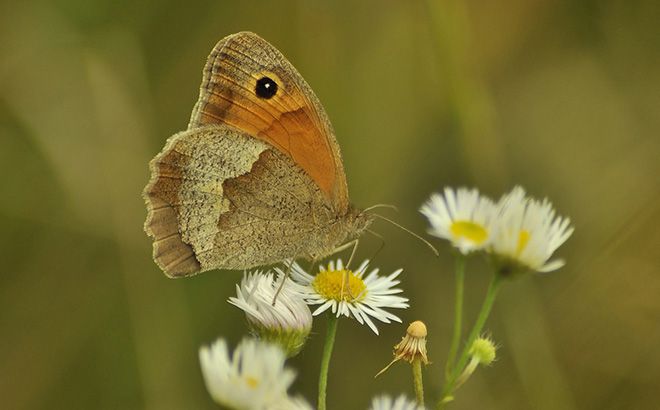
x: 325, y: 359
x: 476, y: 330
x: 418, y: 381
x: 458, y: 314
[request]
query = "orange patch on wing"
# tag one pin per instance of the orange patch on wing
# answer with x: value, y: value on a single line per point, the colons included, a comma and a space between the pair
x: 292, y: 132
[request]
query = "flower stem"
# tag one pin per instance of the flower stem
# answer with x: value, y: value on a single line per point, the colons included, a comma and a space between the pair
x: 418, y: 381
x: 325, y: 359
x: 476, y: 330
x: 458, y: 314
x: 469, y: 369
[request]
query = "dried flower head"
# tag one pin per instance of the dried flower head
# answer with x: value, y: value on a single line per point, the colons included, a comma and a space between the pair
x: 411, y: 347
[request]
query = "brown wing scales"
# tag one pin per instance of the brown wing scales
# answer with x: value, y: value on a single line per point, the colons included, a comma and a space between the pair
x: 230, y: 209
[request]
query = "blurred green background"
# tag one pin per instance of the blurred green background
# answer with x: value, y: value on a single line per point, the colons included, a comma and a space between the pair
x: 559, y: 96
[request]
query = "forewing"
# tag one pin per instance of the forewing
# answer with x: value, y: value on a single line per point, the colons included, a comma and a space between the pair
x: 293, y: 120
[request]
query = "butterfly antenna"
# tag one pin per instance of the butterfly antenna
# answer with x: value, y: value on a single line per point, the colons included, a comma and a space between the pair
x: 381, y: 206
x: 435, y: 251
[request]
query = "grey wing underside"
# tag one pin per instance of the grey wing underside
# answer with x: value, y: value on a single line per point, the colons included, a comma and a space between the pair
x: 220, y: 199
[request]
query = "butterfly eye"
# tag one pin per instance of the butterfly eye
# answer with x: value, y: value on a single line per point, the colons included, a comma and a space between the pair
x: 266, y: 88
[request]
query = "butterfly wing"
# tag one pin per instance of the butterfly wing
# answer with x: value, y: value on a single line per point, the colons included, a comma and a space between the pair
x: 219, y: 198
x: 291, y: 119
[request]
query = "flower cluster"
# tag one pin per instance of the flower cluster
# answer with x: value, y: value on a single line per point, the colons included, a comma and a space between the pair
x: 520, y: 233
x: 517, y: 232
x: 277, y: 312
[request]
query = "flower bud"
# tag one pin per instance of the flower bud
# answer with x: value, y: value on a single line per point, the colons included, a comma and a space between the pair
x: 483, y: 350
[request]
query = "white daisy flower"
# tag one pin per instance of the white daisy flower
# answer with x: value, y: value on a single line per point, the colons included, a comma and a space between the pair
x: 363, y: 296
x: 287, y: 322
x: 253, y: 378
x: 465, y: 218
x: 400, y: 403
x: 528, y: 233
x: 295, y: 403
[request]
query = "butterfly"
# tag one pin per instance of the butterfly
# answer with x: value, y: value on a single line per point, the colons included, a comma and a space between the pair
x: 257, y: 177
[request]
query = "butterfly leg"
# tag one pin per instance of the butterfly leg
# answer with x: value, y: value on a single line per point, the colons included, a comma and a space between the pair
x: 345, y: 246
x: 350, y: 258
x: 345, y: 279
x: 287, y: 274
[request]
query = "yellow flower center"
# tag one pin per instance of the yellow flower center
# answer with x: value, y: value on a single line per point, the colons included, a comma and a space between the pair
x: 252, y: 382
x: 340, y: 285
x: 470, y: 231
x: 523, y: 240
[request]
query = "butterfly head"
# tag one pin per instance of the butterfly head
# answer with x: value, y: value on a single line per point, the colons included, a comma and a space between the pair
x: 358, y: 221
